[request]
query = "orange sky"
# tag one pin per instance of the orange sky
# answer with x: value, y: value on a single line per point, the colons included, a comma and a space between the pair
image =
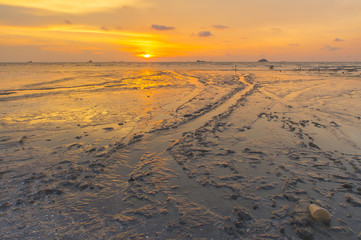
x: 180, y: 30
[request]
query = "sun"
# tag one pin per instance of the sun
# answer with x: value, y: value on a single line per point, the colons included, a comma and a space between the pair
x: 147, y: 55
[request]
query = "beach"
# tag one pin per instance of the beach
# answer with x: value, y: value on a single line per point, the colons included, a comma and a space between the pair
x: 179, y: 150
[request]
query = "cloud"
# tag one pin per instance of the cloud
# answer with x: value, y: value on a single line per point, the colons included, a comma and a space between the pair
x: 66, y: 6
x: 104, y: 28
x: 220, y: 26
x: 338, y: 40
x: 68, y: 22
x: 21, y: 16
x: 294, y: 45
x: 276, y: 30
x: 330, y: 48
x: 162, y: 27
x: 205, y: 34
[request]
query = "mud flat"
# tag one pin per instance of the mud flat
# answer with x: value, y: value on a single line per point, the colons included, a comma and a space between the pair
x: 229, y: 158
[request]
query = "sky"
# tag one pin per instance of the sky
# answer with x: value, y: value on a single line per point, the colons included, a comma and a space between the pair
x: 179, y: 30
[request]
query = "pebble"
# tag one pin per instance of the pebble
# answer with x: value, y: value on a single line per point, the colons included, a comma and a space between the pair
x: 319, y: 213
x: 347, y: 185
x: 343, y: 205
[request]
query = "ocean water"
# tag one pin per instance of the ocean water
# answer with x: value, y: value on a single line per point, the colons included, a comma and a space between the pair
x: 171, y: 150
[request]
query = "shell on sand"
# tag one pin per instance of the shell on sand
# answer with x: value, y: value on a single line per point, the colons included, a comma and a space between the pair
x: 319, y: 213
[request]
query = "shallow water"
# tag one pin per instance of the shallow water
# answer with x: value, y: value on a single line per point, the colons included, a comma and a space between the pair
x: 179, y: 150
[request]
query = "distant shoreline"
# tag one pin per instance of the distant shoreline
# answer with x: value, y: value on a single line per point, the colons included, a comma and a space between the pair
x: 205, y: 62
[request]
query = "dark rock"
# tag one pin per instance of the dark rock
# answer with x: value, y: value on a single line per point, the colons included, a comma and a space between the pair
x: 91, y: 150
x: 83, y: 187
x: 64, y: 162
x: 5, y: 206
x: 240, y: 222
x: 23, y: 139
x: 20, y: 201
x: 312, y: 145
x: 45, y: 192
x: 354, y: 200
x: 243, y: 216
x: 305, y: 233
x: 347, y: 185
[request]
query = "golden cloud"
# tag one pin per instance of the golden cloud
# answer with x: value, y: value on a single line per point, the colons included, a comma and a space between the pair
x: 71, y: 6
x: 79, y: 38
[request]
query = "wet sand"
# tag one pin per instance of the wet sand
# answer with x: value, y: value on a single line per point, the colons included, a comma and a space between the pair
x: 218, y: 157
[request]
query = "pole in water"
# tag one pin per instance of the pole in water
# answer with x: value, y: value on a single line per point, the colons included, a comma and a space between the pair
x: 235, y: 70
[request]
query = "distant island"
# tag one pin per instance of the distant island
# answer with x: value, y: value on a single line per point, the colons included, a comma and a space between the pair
x: 263, y: 60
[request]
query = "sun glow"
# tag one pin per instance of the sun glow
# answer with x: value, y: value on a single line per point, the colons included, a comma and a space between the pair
x: 78, y: 39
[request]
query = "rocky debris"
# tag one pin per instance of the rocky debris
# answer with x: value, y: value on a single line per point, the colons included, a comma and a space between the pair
x: 312, y: 145
x: 353, y: 199
x: 348, y: 186
x: 305, y: 233
x: 241, y: 222
x: 74, y: 146
x: 334, y: 124
x: 23, y: 139
x: 136, y: 138
x: 45, y: 192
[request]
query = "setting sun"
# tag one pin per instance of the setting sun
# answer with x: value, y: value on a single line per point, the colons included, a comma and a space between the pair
x: 129, y: 30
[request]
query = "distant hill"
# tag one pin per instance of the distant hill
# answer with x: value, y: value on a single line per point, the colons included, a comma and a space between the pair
x: 263, y: 60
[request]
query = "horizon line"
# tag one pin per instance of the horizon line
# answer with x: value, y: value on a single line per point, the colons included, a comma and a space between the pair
x: 196, y: 61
